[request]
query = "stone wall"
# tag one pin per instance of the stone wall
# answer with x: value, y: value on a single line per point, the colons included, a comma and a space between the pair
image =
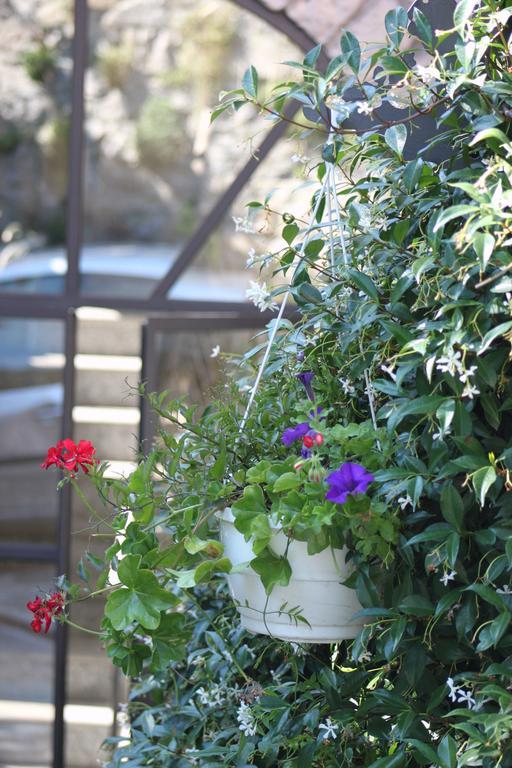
x: 153, y: 164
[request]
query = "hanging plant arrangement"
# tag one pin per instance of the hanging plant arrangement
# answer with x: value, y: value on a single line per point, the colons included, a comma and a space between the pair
x: 396, y: 464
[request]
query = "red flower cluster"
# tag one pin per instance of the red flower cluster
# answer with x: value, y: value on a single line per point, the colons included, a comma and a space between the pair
x: 45, y: 610
x: 70, y: 456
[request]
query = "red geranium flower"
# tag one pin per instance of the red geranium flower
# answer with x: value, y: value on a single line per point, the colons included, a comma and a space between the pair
x: 71, y: 456
x: 45, y: 610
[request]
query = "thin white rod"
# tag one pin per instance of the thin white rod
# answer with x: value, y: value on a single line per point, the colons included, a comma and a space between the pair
x: 279, y: 317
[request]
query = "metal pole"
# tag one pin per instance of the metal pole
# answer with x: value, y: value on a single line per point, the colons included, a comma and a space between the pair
x: 63, y: 536
x: 74, y: 215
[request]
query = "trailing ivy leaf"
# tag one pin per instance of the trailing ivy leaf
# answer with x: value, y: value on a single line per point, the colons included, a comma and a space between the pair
x: 193, y: 545
x: 286, y: 482
x: 206, y: 569
x: 396, y: 137
x: 140, y: 600
x: 272, y: 569
x: 351, y: 48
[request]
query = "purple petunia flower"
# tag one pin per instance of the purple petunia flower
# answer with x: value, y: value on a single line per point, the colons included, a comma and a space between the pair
x: 292, y: 434
x: 305, y: 379
x: 349, y: 479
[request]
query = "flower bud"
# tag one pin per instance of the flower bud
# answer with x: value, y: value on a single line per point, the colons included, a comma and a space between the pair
x: 319, y: 438
x: 307, y: 441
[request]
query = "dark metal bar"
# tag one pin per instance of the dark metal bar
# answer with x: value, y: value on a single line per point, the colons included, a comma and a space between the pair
x: 210, y: 222
x: 74, y: 212
x: 284, y: 24
x: 64, y: 531
x: 29, y: 552
x: 24, y: 305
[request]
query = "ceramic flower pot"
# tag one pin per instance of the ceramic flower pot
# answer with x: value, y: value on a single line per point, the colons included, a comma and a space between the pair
x: 315, y: 586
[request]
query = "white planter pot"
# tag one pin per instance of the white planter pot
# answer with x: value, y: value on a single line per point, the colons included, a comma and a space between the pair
x: 315, y: 586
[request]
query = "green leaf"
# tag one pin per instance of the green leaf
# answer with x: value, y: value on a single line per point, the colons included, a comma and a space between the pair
x: 204, y: 570
x: 290, y: 232
x: 309, y: 293
x: 425, y: 405
x: 350, y: 46
x: 364, y: 283
x: 395, y: 137
x: 490, y: 133
x: 499, y: 330
x: 484, y: 245
x: 412, y: 173
x: 482, y: 480
x: 425, y: 750
x: 416, y: 605
x: 193, y: 545
x: 454, y: 212
x: 463, y: 12
x: 286, y: 482
x: 447, y: 752
x: 396, y: 22
x: 141, y: 600
x: 452, y: 506
x: 487, y: 594
x: 493, y: 632
x: 423, y: 27
x: 272, y: 570
x: 250, y: 82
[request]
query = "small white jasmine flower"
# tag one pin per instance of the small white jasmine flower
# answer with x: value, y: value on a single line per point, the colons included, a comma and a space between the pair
x: 465, y: 696
x: 203, y: 696
x: 470, y: 390
x: 251, y: 258
x: 299, y: 649
x: 404, y: 502
x: 331, y: 729
x: 364, y: 108
x: 429, y: 74
x: 446, y: 577
x: 346, y: 386
x: 242, y: 224
x: 365, y: 656
x: 260, y: 296
x: 466, y: 374
x: 450, y: 363
x: 245, y: 718
x: 504, y: 590
x: 303, y: 159
x: 453, y: 689
x: 390, y: 371
x: 215, y: 351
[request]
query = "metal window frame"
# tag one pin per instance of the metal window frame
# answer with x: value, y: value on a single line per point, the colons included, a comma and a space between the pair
x: 162, y: 313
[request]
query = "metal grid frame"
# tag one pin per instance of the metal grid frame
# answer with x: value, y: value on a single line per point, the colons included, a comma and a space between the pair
x: 161, y: 313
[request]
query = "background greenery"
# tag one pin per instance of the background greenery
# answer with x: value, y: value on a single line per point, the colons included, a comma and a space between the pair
x: 422, y: 312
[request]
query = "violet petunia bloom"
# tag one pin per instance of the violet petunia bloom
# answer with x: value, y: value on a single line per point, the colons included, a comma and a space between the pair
x: 292, y: 434
x: 305, y: 379
x: 349, y: 479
